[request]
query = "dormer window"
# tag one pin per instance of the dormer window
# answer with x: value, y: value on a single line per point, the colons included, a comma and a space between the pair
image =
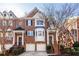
x: 4, y: 15
x: 10, y: 14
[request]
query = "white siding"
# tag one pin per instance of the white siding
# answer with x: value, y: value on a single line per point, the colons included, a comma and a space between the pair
x: 41, y: 47
x: 30, y: 47
x: 37, y: 37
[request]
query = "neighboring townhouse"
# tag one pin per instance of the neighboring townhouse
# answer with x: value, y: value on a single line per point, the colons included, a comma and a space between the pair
x: 72, y: 25
x: 31, y: 31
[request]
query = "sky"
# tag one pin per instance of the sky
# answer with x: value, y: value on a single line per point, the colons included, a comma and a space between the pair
x: 20, y: 9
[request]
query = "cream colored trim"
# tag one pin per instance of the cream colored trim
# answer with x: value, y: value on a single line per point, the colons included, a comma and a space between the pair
x: 18, y: 39
x: 22, y: 38
x: 13, y: 38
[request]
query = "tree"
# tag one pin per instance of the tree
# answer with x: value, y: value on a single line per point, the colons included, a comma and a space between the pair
x: 58, y: 16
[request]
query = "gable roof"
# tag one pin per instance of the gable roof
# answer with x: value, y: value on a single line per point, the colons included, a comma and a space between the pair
x: 33, y: 12
x: 13, y: 15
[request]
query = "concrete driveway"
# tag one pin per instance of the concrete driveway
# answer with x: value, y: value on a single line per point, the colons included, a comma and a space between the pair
x: 33, y: 54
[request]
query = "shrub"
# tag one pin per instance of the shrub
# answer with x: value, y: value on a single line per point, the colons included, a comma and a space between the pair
x: 72, y: 50
x: 48, y: 48
x: 16, y: 51
x: 67, y: 50
x: 2, y: 55
x: 76, y: 44
x: 61, y: 49
x: 76, y: 48
x: 76, y: 53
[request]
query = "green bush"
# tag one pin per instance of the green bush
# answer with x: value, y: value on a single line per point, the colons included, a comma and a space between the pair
x: 62, y: 49
x: 67, y: 50
x: 76, y: 53
x: 76, y: 48
x: 17, y: 51
x: 76, y: 44
x: 2, y: 55
x: 72, y: 50
x: 48, y: 49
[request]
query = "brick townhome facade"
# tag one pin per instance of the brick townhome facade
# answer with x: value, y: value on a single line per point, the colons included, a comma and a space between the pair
x: 31, y: 31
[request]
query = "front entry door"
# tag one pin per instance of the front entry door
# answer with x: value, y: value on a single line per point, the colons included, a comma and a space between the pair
x: 51, y: 43
x: 20, y: 41
x: 50, y: 40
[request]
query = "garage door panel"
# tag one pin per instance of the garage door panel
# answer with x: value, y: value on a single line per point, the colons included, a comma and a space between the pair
x: 30, y: 47
x: 41, y: 47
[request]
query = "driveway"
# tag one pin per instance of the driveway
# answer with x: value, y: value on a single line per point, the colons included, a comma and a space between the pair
x: 33, y: 54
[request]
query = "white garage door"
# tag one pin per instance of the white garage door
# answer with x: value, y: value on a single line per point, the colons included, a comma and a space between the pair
x: 41, y: 47
x: 30, y: 47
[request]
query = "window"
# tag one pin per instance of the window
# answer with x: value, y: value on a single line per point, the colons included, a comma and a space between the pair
x: 4, y: 15
x: 29, y: 33
x: 4, y: 23
x: 74, y: 33
x: 10, y: 23
x: 1, y: 34
x: 39, y: 33
x: 29, y: 22
x: 8, y: 35
x: 10, y: 14
x: 39, y: 22
x: 17, y: 25
x: 0, y: 23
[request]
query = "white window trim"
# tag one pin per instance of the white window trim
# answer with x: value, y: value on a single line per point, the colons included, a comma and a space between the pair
x: 40, y: 20
x: 29, y: 22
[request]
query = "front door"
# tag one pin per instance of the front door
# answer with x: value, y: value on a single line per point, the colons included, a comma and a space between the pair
x: 51, y: 43
x: 20, y: 41
x: 50, y: 40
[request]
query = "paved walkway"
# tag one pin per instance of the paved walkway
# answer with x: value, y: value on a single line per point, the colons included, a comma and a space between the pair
x: 34, y: 54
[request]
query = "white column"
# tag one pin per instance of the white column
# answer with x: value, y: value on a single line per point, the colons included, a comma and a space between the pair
x: 17, y: 40
x: 47, y: 37
x: 22, y: 38
x: 57, y: 36
x: 13, y: 38
x: 77, y: 34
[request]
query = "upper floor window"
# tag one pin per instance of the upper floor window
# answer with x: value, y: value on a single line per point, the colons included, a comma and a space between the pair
x: 1, y: 34
x: 0, y: 23
x: 29, y: 22
x: 40, y: 33
x: 29, y: 33
x: 39, y: 22
x: 4, y: 15
x: 10, y: 23
x: 17, y: 25
x: 10, y: 14
x: 4, y: 23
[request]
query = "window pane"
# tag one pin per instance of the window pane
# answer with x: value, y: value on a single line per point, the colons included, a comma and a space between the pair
x: 1, y: 34
x: 30, y: 33
x: 39, y: 22
x: 10, y: 14
x: 29, y: 22
x: 40, y: 33
x: 4, y: 15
